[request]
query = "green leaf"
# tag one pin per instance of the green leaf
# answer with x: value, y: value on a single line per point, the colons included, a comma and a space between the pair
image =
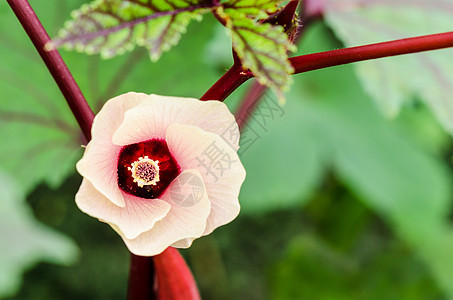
x: 394, y: 82
x: 25, y: 241
x: 112, y: 27
x: 257, y: 9
x: 263, y: 48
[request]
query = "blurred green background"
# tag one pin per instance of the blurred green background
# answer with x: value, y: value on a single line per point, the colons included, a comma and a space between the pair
x: 340, y: 200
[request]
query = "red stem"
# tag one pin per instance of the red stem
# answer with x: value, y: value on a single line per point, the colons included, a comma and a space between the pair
x: 57, y: 68
x: 229, y: 82
x: 315, y: 61
x: 141, y: 278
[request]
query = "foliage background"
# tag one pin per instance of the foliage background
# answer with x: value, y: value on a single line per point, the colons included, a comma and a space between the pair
x: 352, y: 204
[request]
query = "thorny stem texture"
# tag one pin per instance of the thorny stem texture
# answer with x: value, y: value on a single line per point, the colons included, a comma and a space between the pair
x: 57, y: 68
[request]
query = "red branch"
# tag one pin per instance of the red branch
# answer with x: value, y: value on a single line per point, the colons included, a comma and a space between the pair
x: 309, y: 62
x: 315, y: 61
x: 227, y: 84
x: 55, y: 64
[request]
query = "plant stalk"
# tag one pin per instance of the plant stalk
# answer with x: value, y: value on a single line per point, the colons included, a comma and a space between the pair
x: 228, y: 83
x: 232, y: 79
x: 321, y: 60
x: 141, y: 278
x: 55, y: 64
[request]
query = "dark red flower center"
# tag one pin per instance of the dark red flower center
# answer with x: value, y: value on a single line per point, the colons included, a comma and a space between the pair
x: 146, y: 169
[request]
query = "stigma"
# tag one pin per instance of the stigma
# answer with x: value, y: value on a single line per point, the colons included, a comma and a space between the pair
x: 145, y: 171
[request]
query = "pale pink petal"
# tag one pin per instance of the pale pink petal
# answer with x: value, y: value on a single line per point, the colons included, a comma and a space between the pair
x: 99, y: 166
x: 221, y: 194
x: 151, y: 118
x: 184, y: 243
x: 111, y: 115
x: 138, y: 216
x: 187, y: 217
x: 219, y: 165
x: 100, y: 159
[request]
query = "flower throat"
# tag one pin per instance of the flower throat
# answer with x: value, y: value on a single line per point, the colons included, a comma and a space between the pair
x: 146, y: 169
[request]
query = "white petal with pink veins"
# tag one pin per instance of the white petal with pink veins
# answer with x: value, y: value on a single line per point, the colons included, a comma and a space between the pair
x: 218, y: 164
x: 99, y: 162
x: 151, y: 118
x: 138, y: 216
x: 187, y: 217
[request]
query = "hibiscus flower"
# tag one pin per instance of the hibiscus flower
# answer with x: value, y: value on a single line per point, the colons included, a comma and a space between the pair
x: 161, y: 171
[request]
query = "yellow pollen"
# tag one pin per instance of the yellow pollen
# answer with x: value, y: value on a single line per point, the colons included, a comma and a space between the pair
x: 145, y: 171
